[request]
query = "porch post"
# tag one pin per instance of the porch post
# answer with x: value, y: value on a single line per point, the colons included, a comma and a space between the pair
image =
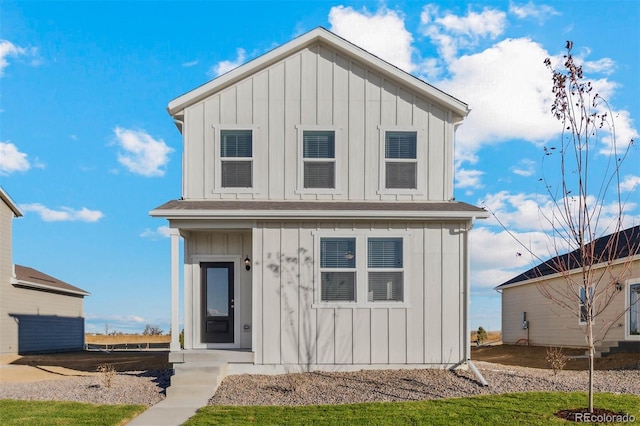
x: 175, y: 289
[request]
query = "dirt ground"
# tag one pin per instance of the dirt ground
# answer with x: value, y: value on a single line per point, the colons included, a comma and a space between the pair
x: 534, y: 356
x: 114, y: 339
x: 89, y: 361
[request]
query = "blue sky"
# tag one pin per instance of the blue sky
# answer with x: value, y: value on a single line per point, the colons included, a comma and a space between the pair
x: 87, y: 147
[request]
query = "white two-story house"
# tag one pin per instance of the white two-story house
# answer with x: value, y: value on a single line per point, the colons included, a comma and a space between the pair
x: 317, y: 212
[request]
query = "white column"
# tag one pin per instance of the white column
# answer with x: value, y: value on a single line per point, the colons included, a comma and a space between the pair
x: 175, y: 290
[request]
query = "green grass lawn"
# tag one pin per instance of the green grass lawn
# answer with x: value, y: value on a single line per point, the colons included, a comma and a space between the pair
x: 532, y: 408
x: 39, y: 413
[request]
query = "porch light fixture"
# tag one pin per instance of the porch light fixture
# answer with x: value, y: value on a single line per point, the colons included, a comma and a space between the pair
x: 619, y: 286
x: 247, y: 263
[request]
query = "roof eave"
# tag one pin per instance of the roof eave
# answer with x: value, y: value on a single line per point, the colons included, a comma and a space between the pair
x: 39, y: 286
x: 315, y: 214
x: 10, y: 203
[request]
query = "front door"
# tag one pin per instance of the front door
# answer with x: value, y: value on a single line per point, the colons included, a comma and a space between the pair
x: 217, y: 302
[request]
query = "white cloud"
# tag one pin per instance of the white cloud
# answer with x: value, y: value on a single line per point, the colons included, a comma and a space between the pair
x: 10, y: 50
x: 12, y: 160
x: 604, y: 66
x: 190, y: 64
x: 509, y: 91
x: 630, y: 183
x: 159, y: 232
x: 226, y: 66
x: 531, y: 10
x: 468, y: 178
x: 142, y: 154
x: 382, y: 33
x: 450, y: 32
x: 524, y: 168
x: 63, y: 214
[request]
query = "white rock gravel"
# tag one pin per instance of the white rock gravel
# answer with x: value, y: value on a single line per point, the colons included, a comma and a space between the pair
x: 147, y: 388
x: 132, y: 387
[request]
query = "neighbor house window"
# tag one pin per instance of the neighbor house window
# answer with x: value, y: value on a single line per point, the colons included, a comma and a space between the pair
x: 236, y: 158
x: 401, y: 163
x: 385, y: 269
x: 338, y: 269
x: 583, y: 304
x: 319, y: 159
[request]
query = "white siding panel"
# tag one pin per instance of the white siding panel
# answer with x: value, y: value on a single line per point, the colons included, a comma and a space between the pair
x: 451, y: 287
x: 271, y: 298
x: 259, y: 320
x: 344, y: 336
x: 289, y: 283
x: 229, y: 105
x: 405, y: 108
x: 356, y: 134
x: 244, y: 109
x: 292, y: 119
x: 261, y: 133
x: 433, y: 293
x: 397, y: 336
x: 389, y: 107
x: 307, y: 315
x: 362, y: 336
x: 372, y: 137
x: 414, y: 294
x: 194, y: 161
x: 325, y: 87
x: 436, y: 154
x: 379, y: 336
x: 276, y: 132
x: 326, y: 336
x: 309, y: 86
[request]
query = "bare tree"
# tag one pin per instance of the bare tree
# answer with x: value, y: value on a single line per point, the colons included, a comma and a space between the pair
x: 585, y: 208
x: 152, y: 330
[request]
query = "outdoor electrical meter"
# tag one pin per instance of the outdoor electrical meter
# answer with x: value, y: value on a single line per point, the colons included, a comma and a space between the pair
x: 525, y: 323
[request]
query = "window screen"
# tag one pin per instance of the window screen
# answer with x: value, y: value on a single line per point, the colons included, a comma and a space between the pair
x: 337, y: 269
x: 318, y: 152
x: 236, y: 145
x: 385, y: 285
x: 400, y: 160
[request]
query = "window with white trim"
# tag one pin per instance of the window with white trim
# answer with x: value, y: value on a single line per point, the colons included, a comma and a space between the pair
x: 337, y: 269
x: 236, y: 158
x: 385, y: 270
x: 319, y: 159
x: 400, y: 160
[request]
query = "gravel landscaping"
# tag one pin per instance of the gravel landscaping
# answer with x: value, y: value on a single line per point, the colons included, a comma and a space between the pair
x: 147, y: 388
x: 132, y: 387
x: 410, y: 385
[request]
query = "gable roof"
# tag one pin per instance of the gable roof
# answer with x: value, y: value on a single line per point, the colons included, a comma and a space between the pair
x: 619, y: 245
x: 10, y: 203
x: 36, y: 280
x: 332, y: 40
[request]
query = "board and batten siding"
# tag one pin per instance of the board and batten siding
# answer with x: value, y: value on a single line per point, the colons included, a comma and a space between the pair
x: 292, y: 326
x: 7, y: 324
x: 317, y: 88
x: 552, y: 325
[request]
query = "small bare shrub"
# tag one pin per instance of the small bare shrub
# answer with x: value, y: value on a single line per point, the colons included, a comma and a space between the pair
x: 556, y: 359
x: 108, y: 373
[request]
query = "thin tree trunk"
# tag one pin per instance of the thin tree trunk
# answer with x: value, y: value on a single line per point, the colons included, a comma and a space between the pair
x: 591, y: 359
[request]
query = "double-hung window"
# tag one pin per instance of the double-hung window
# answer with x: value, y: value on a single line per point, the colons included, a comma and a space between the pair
x: 236, y: 158
x: 319, y: 159
x: 385, y: 267
x: 338, y: 269
x: 401, y: 161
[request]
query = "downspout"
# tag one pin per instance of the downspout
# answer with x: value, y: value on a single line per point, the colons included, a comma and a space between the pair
x: 467, y: 301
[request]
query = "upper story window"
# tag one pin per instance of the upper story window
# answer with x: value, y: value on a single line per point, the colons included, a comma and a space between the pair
x: 236, y: 158
x: 319, y: 159
x: 338, y: 269
x: 400, y: 157
x: 386, y: 269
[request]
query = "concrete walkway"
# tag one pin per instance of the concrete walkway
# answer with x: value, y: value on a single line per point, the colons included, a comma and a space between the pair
x: 192, y: 386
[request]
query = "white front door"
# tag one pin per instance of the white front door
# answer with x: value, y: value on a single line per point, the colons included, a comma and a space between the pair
x: 633, y: 314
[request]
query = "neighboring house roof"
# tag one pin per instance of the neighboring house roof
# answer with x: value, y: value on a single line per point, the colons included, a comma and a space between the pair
x: 219, y: 209
x: 10, y: 203
x: 34, y: 279
x: 623, y: 244
x: 335, y: 42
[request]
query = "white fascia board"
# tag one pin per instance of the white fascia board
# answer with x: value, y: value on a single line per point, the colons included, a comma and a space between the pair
x: 319, y: 34
x: 571, y: 272
x: 47, y: 287
x: 10, y: 203
x: 314, y: 214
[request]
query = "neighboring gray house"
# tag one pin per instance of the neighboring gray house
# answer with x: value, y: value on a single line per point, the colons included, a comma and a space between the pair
x: 547, y: 324
x: 38, y: 313
x: 320, y: 229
